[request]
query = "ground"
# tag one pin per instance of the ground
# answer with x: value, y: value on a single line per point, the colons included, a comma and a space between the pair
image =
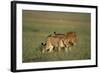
x: 37, y: 25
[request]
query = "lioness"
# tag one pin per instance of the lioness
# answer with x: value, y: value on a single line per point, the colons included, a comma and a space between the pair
x: 51, y: 43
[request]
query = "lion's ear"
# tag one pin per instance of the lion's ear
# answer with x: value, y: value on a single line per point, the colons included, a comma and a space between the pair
x: 54, y: 32
x: 43, y: 44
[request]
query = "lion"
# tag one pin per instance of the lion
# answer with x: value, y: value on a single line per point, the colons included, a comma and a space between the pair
x: 59, y: 41
x: 51, y: 43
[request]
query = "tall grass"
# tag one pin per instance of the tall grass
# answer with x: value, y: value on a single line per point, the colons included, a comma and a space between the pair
x: 37, y: 25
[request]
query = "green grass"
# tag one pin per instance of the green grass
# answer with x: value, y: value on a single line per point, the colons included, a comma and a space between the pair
x: 37, y: 25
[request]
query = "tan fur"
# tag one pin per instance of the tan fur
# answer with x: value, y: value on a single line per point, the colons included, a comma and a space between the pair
x: 52, y: 42
x: 71, y: 37
x: 60, y: 41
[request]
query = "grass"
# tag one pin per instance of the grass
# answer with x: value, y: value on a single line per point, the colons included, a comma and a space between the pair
x: 37, y: 25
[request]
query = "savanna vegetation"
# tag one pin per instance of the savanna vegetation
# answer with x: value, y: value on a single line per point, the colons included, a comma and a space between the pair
x: 37, y: 25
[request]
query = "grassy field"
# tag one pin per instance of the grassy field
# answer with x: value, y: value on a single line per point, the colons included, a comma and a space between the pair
x: 37, y: 25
